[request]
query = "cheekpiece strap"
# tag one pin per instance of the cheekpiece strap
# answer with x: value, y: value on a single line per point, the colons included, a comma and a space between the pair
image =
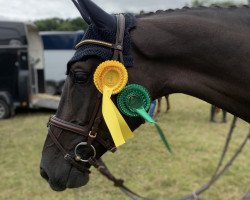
x: 119, y: 38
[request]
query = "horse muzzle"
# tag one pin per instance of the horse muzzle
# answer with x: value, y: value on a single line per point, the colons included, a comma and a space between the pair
x: 59, y: 181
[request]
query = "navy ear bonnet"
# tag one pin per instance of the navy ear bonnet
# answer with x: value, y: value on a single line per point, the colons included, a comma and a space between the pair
x: 105, y: 53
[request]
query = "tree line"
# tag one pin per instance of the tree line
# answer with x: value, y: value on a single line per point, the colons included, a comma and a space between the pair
x: 57, y: 24
x: 226, y: 3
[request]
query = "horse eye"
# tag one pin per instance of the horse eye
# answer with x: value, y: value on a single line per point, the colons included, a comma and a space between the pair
x: 81, y: 77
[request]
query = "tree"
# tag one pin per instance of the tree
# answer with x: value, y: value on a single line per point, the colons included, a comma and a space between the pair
x: 197, y: 3
x: 225, y: 3
x: 57, y: 24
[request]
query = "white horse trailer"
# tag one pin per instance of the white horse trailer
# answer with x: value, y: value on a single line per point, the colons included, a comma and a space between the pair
x: 22, y: 82
x: 58, y: 49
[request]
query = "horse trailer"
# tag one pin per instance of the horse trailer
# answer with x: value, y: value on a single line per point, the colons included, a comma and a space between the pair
x: 59, y: 47
x: 21, y: 68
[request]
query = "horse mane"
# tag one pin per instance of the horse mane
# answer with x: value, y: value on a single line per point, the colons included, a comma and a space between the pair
x: 186, y: 8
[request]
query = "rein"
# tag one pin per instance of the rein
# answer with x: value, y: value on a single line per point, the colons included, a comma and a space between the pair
x: 220, y: 170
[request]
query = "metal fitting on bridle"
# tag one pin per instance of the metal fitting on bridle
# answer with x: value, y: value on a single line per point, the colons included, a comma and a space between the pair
x: 78, y: 157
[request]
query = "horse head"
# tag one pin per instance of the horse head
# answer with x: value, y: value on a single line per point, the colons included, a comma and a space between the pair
x: 74, y: 124
x: 159, y: 54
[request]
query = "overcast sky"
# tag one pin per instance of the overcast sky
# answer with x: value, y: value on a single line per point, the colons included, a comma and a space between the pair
x: 40, y: 9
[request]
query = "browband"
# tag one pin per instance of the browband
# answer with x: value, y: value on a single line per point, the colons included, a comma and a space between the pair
x: 118, y: 46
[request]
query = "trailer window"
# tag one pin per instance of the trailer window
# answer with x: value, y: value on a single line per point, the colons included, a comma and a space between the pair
x: 9, y: 37
x: 61, y: 41
x: 58, y: 41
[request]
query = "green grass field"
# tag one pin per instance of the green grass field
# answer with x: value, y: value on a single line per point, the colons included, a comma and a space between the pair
x: 143, y: 161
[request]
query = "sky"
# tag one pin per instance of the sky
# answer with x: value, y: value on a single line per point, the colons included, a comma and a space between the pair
x: 30, y: 10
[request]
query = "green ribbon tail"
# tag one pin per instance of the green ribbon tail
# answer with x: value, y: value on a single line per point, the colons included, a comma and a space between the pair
x: 164, y: 139
x: 142, y: 112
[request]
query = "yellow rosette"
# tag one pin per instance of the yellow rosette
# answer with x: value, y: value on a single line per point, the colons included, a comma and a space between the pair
x: 110, y: 78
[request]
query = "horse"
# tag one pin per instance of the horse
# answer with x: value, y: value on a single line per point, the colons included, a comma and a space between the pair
x: 202, y: 52
x: 158, y: 111
x: 215, y: 110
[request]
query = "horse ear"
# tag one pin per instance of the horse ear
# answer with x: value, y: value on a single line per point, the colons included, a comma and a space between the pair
x: 98, y: 16
x: 83, y: 12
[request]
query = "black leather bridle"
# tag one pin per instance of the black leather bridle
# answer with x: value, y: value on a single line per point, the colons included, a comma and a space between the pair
x: 89, y: 131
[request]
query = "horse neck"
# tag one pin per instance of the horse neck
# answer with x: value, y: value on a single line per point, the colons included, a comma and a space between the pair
x: 205, y: 57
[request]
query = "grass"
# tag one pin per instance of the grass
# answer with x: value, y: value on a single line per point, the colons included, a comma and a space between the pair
x: 143, y: 161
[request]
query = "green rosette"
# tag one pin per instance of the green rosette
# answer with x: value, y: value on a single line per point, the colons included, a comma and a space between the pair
x: 133, y: 97
x: 134, y: 100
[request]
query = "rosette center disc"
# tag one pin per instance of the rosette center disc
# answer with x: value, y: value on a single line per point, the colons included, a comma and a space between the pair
x: 111, y: 78
x: 133, y: 97
x: 135, y: 101
x: 111, y: 74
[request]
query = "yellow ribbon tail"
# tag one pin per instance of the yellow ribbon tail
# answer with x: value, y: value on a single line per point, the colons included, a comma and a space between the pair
x: 110, y: 118
x: 126, y: 132
x: 117, y: 126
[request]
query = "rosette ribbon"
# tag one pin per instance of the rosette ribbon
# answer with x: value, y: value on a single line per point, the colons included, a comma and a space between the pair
x: 133, y: 101
x: 110, y: 78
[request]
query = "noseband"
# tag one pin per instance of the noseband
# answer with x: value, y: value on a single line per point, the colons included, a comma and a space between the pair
x: 90, y: 131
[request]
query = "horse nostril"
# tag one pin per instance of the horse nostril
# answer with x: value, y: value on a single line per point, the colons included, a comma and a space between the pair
x: 44, y: 174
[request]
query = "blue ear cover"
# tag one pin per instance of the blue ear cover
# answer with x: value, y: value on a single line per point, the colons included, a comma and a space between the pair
x: 92, y: 13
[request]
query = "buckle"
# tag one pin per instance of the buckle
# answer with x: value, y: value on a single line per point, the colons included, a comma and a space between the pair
x: 113, y: 149
x: 78, y: 157
x: 67, y: 156
x: 118, y: 47
x: 91, y: 135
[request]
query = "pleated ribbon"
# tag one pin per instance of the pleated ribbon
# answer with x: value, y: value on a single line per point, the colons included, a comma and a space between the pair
x: 110, y: 78
x: 133, y: 101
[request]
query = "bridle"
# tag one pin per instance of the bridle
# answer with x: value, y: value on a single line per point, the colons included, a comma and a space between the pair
x: 90, y: 131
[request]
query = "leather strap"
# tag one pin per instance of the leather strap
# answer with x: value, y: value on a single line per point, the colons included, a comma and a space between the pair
x: 102, y: 168
x: 67, y: 156
x: 119, y: 38
x: 97, y: 42
x: 59, y: 123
